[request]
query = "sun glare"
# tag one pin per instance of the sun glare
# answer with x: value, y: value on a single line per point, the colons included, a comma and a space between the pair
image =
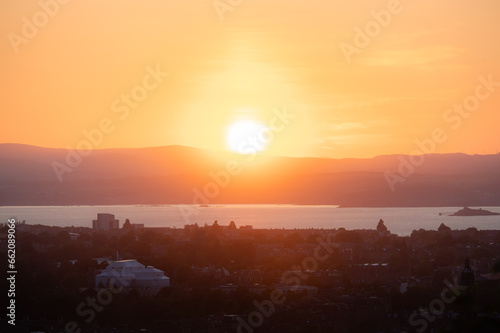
x: 246, y: 137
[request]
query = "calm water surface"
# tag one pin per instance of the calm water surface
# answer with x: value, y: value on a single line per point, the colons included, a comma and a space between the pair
x: 400, y: 221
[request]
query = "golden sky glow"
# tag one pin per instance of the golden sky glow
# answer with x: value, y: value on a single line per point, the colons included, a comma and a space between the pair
x: 265, y: 56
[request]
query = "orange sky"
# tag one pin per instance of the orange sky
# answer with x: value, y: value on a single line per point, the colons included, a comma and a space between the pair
x: 264, y: 56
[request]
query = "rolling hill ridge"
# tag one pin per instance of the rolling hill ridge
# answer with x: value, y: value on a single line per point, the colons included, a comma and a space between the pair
x: 176, y: 174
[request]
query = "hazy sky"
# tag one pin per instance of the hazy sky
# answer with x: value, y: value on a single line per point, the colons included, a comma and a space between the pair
x: 392, y: 87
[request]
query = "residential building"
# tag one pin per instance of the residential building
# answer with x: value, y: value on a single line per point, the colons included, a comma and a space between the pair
x: 105, y: 222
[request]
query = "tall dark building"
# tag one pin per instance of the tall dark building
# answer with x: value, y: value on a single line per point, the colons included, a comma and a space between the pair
x: 467, y: 275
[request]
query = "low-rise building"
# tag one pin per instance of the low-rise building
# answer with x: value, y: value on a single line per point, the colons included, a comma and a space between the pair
x: 132, y: 274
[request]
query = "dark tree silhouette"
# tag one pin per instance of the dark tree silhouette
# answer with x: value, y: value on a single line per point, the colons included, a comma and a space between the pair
x: 127, y: 224
x: 444, y: 228
x: 381, y: 226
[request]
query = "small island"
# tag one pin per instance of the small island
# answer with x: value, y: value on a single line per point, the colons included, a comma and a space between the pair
x: 466, y: 211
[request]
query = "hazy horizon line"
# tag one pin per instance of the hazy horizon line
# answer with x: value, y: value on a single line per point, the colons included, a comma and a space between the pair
x: 258, y: 153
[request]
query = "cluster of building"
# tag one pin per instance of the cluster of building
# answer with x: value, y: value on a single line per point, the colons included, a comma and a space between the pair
x: 131, y: 274
x: 107, y: 222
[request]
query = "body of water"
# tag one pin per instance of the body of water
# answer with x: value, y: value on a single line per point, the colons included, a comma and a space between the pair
x: 400, y: 221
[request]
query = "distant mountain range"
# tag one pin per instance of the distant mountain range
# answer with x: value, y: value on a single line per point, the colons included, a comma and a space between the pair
x: 175, y: 174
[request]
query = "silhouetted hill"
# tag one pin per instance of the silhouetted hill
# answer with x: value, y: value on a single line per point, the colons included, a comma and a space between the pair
x: 174, y: 174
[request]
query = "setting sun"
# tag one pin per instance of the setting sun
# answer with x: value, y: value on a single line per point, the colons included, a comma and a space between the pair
x: 247, y: 137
